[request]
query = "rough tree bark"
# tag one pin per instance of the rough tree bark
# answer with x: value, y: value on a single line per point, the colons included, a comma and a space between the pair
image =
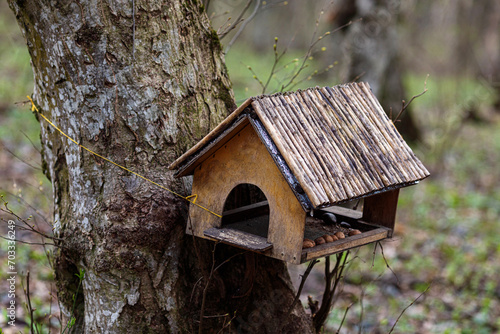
x: 139, y: 83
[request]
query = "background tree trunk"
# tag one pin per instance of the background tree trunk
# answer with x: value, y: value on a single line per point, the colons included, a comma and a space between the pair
x: 139, y: 84
x: 371, y: 52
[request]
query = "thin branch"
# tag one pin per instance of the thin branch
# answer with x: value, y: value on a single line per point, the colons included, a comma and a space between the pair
x: 32, y: 144
x: 361, y: 313
x: 334, y: 276
x: 235, y: 23
x: 276, y: 61
x: 228, y: 323
x: 387, y: 263
x: 311, y: 46
x: 194, y: 288
x: 407, y: 307
x: 31, y: 243
x: 374, y: 253
x: 203, y: 300
x: 229, y: 259
x: 357, y: 77
x: 20, y: 159
x: 27, y: 226
x: 212, y: 271
x: 314, y: 74
x: 28, y: 304
x: 406, y: 105
x: 343, y: 318
x: 255, y: 76
x: 242, y: 27
x: 301, y: 286
x: 35, y: 210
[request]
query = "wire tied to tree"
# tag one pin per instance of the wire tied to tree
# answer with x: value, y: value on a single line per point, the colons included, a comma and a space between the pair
x: 187, y: 198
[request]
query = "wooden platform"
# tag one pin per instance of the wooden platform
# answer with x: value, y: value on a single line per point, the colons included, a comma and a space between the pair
x: 248, y: 227
x: 372, y: 235
x: 240, y: 239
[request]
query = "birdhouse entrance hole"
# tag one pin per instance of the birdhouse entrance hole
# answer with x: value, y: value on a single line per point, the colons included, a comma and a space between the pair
x: 246, y: 209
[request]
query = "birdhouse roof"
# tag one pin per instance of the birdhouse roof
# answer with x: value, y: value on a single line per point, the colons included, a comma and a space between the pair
x: 337, y: 142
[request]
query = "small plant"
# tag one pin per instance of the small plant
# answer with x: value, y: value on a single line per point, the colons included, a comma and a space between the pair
x: 72, y: 320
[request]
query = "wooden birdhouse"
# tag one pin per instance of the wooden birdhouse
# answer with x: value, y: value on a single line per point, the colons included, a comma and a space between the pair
x: 279, y: 170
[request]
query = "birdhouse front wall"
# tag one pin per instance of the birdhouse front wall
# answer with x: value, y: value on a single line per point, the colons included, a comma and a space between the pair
x: 245, y: 159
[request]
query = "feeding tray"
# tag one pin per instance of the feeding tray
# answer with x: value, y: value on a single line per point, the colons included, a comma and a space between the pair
x: 316, y: 228
x: 306, y: 152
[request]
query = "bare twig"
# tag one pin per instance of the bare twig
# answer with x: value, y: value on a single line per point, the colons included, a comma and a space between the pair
x: 361, y: 313
x: 31, y: 243
x: 26, y: 226
x: 374, y: 252
x: 203, y: 300
x: 205, y: 289
x: 32, y: 144
x: 301, y: 286
x: 407, y: 307
x: 276, y: 61
x: 228, y: 323
x: 343, y: 318
x: 314, y: 74
x: 331, y: 277
x: 387, y: 263
x: 311, y: 46
x: 35, y: 210
x: 238, y: 21
x: 28, y: 303
x: 242, y: 27
x: 20, y: 159
x: 357, y: 77
x: 406, y: 105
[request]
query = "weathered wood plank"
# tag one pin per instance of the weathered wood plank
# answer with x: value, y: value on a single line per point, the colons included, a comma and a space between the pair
x: 203, y: 154
x: 239, y: 239
x: 339, y: 210
x: 380, y: 209
x: 344, y: 244
x: 214, y: 133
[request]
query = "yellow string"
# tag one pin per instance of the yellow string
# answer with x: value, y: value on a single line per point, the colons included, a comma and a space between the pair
x: 34, y: 108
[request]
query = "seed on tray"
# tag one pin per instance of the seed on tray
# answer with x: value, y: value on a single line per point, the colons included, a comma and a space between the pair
x: 354, y: 232
x: 319, y: 241
x: 328, y: 238
x: 308, y: 243
x: 340, y: 235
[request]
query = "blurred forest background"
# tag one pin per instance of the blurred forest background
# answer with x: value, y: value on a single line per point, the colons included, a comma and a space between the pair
x: 447, y: 236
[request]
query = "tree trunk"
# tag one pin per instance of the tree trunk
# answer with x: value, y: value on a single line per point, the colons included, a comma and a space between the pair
x: 371, y: 50
x: 139, y: 83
